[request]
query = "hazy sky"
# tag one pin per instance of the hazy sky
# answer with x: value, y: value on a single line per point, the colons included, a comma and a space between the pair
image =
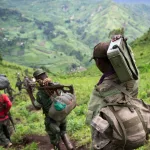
x: 133, y: 1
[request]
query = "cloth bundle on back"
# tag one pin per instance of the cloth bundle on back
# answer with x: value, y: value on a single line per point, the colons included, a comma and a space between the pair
x: 119, y: 121
x: 62, y: 106
x: 4, y: 82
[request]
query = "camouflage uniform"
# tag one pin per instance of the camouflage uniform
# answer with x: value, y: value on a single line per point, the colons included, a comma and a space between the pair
x: 102, y: 92
x: 5, y: 132
x: 19, y: 84
x: 53, y: 128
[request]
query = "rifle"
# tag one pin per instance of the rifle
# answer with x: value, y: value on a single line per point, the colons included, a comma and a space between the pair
x: 6, y: 132
x: 12, y: 121
x: 52, y: 87
x: 55, y: 87
x: 29, y: 90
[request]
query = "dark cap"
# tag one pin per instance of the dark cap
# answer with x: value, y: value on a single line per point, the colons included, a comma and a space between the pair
x: 100, y: 50
x: 38, y: 72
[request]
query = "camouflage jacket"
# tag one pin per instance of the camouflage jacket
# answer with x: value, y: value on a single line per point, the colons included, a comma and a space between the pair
x: 43, y: 101
x: 105, y: 92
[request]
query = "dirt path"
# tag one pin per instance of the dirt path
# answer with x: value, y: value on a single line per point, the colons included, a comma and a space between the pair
x: 43, y: 143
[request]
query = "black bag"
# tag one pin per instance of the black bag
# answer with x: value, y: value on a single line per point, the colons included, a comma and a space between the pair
x: 4, y: 82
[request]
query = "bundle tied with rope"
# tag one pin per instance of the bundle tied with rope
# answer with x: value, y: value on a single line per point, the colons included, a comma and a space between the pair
x: 129, y: 121
x: 62, y: 96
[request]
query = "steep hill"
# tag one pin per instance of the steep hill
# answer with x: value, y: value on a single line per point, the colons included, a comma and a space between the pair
x: 29, y: 122
x: 24, y: 39
x: 60, y: 35
x: 141, y: 47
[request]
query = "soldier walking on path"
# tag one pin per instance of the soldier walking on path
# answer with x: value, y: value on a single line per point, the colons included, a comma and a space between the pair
x: 19, y: 83
x: 44, y: 99
x: 104, y: 92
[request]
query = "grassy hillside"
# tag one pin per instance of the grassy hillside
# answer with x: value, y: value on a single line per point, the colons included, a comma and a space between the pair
x: 141, y: 46
x: 60, y: 35
x: 39, y: 43
x: 37, y: 50
x: 31, y: 122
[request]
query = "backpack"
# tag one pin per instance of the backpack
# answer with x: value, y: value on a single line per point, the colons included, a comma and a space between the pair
x: 62, y: 106
x: 4, y: 83
x: 130, y: 120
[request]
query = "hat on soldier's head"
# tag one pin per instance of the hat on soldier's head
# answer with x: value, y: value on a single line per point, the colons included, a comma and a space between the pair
x: 100, y: 50
x: 38, y: 72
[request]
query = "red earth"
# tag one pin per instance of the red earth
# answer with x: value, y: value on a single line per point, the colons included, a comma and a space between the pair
x: 43, y: 143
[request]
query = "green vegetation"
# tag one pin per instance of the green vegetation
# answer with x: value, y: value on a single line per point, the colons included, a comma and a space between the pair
x: 61, y: 34
x: 32, y: 35
x: 31, y: 122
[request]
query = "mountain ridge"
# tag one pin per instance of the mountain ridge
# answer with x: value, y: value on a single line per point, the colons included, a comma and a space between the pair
x: 64, y: 33
x: 133, y: 1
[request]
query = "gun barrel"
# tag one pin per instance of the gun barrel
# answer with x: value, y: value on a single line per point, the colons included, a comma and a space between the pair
x: 58, y: 87
x: 12, y: 121
x: 52, y: 87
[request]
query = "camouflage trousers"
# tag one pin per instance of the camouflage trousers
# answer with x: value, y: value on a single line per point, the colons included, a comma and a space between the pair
x: 5, y: 132
x: 55, y: 130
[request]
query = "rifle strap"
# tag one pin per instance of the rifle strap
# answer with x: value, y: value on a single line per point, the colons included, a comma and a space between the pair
x: 129, y: 106
x: 123, y: 130
x: 141, y: 118
x: 119, y: 87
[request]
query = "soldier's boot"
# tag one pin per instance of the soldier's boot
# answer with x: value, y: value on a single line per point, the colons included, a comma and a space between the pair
x: 67, y: 142
x: 57, y: 147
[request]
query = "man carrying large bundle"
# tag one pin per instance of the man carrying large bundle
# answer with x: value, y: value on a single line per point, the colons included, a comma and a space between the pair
x: 19, y: 83
x: 5, y: 105
x: 118, y: 120
x: 56, y: 106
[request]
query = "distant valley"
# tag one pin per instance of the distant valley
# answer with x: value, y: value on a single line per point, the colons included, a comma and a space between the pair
x: 60, y: 35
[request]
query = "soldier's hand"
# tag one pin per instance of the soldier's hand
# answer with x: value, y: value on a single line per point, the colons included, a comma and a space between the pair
x: 116, y: 37
x: 47, y: 81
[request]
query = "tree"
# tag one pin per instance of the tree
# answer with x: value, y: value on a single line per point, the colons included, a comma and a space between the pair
x: 116, y: 31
